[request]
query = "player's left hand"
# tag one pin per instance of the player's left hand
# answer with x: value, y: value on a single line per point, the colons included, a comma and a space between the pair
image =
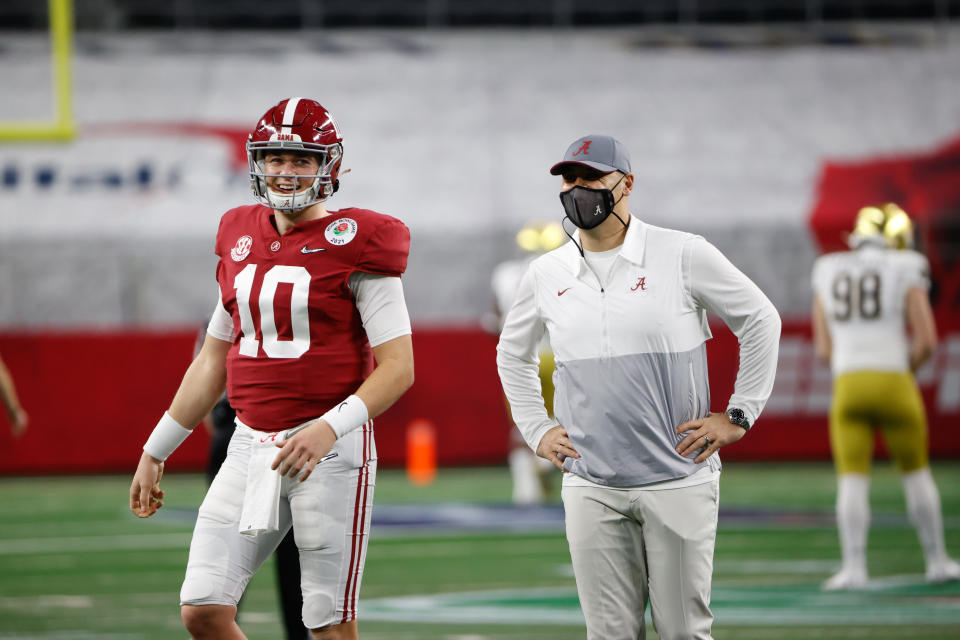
x: 300, y: 453
x: 707, y: 435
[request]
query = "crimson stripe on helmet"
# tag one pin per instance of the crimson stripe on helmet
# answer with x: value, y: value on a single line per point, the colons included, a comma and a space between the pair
x: 288, y: 115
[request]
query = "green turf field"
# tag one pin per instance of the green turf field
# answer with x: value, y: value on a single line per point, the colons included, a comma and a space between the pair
x: 75, y: 564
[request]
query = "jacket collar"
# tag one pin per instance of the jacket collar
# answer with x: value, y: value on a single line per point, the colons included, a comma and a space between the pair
x: 632, y: 249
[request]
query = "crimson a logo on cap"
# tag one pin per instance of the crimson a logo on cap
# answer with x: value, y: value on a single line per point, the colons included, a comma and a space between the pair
x: 584, y: 148
x: 242, y: 249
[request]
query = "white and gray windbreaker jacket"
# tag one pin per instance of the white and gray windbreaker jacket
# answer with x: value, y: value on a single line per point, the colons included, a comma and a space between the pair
x: 631, y: 357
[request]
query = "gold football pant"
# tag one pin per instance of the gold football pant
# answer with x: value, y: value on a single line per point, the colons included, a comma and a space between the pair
x: 867, y: 400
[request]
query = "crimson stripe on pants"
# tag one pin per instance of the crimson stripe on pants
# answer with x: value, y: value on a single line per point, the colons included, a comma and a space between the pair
x: 363, y: 524
x: 354, y: 567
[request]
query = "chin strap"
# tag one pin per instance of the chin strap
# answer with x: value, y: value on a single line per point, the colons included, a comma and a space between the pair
x: 298, y: 200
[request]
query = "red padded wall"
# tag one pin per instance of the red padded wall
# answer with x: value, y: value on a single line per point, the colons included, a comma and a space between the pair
x: 94, y: 397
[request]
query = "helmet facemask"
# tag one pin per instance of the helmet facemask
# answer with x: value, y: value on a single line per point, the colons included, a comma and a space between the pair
x: 322, y: 184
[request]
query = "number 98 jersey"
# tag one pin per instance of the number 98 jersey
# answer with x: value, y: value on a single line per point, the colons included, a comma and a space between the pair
x: 299, y: 346
x: 863, y: 293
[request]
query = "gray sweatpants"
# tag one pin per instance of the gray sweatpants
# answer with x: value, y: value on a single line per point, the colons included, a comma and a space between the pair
x: 631, y: 545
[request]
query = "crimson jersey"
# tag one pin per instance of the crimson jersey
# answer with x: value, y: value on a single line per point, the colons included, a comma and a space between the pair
x: 299, y: 345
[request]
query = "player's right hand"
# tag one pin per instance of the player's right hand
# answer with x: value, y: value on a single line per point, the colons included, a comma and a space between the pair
x: 555, y: 446
x: 145, y: 493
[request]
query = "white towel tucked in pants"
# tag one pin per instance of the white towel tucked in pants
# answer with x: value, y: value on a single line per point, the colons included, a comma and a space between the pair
x: 261, y: 500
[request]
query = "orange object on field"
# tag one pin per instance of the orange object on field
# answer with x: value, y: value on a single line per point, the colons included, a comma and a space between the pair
x: 421, y: 452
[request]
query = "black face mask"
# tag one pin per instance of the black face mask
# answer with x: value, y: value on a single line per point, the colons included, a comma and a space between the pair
x: 587, y: 207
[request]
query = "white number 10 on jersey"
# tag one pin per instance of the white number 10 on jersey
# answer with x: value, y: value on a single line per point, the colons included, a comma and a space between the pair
x: 273, y: 346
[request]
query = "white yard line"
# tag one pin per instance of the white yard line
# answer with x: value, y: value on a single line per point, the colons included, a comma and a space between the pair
x: 74, y: 544
x: 181, y: 540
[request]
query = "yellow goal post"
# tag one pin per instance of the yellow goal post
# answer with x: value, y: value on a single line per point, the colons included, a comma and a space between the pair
x: 61, y: 128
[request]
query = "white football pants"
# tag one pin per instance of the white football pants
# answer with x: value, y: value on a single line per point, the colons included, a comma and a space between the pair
x: 330, y: 513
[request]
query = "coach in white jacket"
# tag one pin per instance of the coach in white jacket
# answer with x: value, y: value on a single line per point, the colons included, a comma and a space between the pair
x: 625, y: 309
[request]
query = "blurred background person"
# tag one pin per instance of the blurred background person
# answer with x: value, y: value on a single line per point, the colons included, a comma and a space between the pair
x: 8, y: 392
x: 530, y: 474
x: 865, y: 301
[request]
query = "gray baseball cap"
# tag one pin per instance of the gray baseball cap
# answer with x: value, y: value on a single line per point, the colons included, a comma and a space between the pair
x: 603, y: 153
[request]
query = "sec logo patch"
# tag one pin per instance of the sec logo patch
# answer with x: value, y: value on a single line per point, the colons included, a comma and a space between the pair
x: 342, y: 231
x: 242, y: 248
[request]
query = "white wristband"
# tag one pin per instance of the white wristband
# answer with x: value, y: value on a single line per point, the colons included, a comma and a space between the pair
x: 349, y: 415
x: 166, y: 436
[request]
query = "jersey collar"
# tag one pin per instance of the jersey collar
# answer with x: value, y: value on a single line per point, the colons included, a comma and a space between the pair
x: 270, y: 232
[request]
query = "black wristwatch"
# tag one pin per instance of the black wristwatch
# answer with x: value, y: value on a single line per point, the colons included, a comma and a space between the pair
x: 738, y: 417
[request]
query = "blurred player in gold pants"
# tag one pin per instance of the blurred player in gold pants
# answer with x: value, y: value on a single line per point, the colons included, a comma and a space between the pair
x: 864, y: 301
x: 529, y: 473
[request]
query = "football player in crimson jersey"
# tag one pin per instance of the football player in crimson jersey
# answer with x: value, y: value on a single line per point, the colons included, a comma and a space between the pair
x: 311, y: 338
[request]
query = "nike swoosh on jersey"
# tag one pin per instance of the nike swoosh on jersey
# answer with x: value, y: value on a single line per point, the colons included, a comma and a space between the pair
x: 304, y: 249
x: 560, y: 293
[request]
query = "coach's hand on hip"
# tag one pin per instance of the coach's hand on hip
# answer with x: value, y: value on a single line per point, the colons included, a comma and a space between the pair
x: 706, y: 435
x: 555, y: 446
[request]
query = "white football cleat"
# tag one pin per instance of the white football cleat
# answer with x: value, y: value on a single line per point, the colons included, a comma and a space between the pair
x: 943, y: 571
x: 847, y: 579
